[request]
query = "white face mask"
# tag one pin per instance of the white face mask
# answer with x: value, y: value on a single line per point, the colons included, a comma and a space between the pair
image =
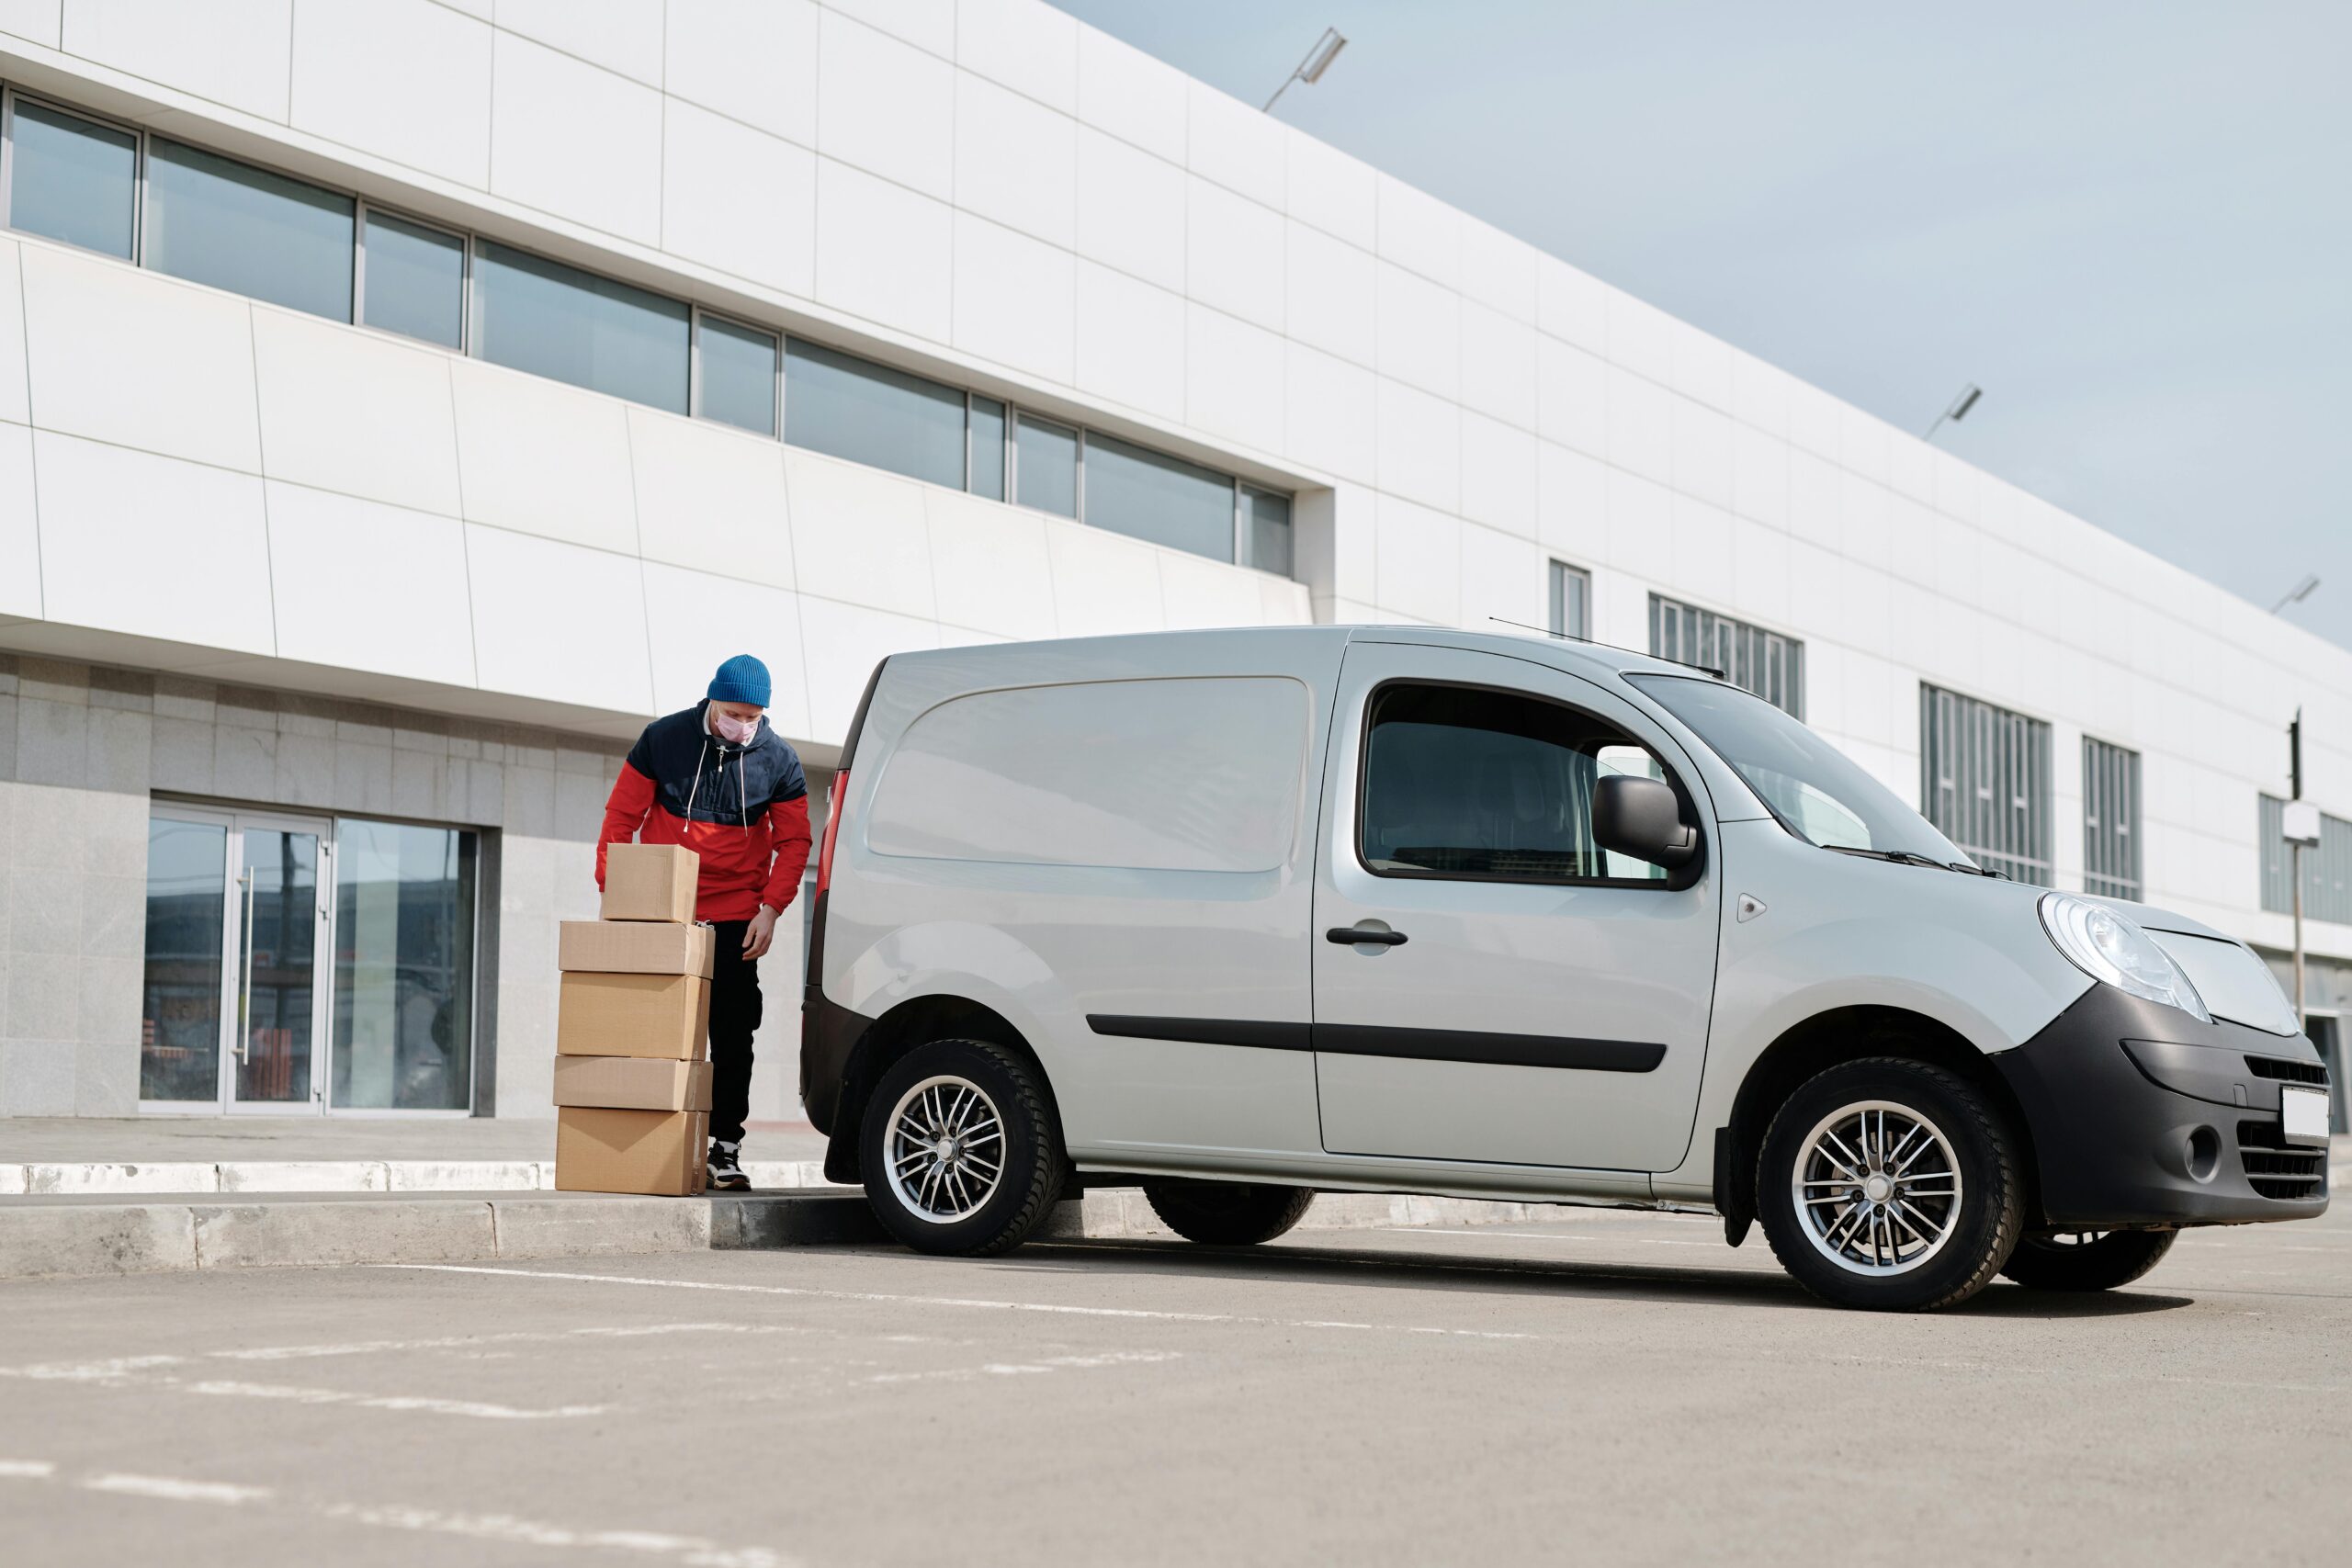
x: 734, y: 731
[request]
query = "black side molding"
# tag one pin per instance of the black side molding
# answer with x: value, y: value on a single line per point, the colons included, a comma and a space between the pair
x: 1373, y: 1040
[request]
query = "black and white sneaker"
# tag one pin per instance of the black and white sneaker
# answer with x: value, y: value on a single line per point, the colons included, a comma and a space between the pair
x: 726, y: 1172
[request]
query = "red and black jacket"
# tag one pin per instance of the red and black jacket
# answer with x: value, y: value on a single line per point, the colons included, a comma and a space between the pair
x: 744, y: 809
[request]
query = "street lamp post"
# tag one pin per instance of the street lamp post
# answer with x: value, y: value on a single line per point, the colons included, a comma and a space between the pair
x: 2299, y: 825
x: 1310, y: 70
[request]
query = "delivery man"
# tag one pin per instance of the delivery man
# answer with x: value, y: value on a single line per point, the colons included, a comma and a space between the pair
x: 717, y: 779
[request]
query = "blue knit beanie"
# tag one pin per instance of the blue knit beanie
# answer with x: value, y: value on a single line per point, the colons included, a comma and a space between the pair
x: 742, y: 679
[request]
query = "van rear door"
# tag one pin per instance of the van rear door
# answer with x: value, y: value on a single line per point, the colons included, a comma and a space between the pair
x: 1489, y: 984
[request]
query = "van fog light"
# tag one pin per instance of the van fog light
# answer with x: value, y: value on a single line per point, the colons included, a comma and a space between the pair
x: 2204, y: 1153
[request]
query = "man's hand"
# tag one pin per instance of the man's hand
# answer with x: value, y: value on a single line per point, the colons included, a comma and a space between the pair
x: 759, y: 935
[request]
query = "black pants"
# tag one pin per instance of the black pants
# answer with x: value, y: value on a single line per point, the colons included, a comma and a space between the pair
x: 734, y: 1017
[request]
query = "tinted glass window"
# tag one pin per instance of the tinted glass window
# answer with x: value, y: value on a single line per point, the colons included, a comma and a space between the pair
x: 415, y: 281
x: 1162, y: 499
x: 1462, y: 782
x: 229, y: 224
x: 987, y: 448
x: 74, y: 181
x: 556, y: 321
x: 403, y: 967
x: 870, y: 414
x: 1571, y: 601
x: 1269, y: 519
x: 738, y: 376
x: 179, y: 1035
x: 1045, y: 466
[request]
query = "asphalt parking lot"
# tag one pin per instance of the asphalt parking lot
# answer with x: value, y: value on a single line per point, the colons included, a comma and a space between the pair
x: 1606, y: 1389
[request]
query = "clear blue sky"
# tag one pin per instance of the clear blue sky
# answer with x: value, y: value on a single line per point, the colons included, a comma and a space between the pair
x: 2129, y: 220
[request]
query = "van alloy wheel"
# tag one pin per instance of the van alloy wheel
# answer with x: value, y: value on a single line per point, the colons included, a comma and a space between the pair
x: 1878, y: 1187
x: 946, y: 1149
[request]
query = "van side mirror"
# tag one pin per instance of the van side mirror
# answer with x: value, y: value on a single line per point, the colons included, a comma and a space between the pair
x: 1641, y: 817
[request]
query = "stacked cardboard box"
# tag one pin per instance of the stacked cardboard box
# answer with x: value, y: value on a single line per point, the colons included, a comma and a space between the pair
x: 633, y: 1072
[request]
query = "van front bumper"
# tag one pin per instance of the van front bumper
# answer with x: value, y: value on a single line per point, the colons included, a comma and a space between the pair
x: 2143, y: 1117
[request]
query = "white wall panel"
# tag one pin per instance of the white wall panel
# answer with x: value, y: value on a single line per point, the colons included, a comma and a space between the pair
x: 1641, y: 528
x: 1701, y: 367
x: 1570, y: 305
x: 883, y: 252
x: 1332, y: 300
x: 1641, y: 337
x: 1016, y: 161
x: 859, y: 534
x: 1759, y: 476
x: 739, y: 198
x: 1421, y: 446
x: 1499, y: 484
x: 1572, y: 505
x: 1502, y: 575
x: 1760, y: 394
x: 625, y: 36
x: 1499, y: 271
x: 886, y: 106
x: 1703, y: 451
x: 360, y: 585
x: 1028, y: 47
x: 34, y: 20
x: 1703, y: 552
x: 1016, y: 298
x: 694, y: 622
x: 1233, y: 250
x: 845, y: 642
x: 993, y: 570
x: 140, y: 359
x: 559, y: 622
x: 1233, y: 378
x: 1333, y: 192
x: 1420, y: 232
x: 152, y: 547
x: 1498, y: 365
x: 710, y: 498
x: 1334, y: 412
x: 1420, y: 331
x: 754, y: 61
x: 406, y: 80
x: 1196, y: 593
x: 1130, y: 342
x: 1130, y: 208
x: 19, y: 526
x: 1127, y: 93
x: 574, y: 140
x: 543, y: 457
x: 929, y: 25
x: 232, y: 51
x: 1419, y: 570
x: 1641, y: 423
x: 1232, y: 143
x: 14, y: 408
x: 355, y: 411
x: 1572, y: 396
x: 1104, y: 585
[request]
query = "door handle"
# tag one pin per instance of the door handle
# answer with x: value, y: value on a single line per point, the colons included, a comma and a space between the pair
x: 1348, y: 936
x: 245, y: 994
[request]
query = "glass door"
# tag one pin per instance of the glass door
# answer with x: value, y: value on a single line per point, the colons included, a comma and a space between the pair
x: 238, y: 927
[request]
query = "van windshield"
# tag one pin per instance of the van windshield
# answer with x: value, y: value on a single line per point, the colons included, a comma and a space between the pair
x: 1819, y: 792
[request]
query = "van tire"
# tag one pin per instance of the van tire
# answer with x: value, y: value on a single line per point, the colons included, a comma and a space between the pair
x: 1977, y: 1239
x: 1227, y: 1214
x: 2117, y: 1257
x: 1029, y: 1178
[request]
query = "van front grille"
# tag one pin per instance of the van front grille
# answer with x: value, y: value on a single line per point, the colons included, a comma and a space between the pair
x: 2275, y: 1169
x: 2284, y: 1070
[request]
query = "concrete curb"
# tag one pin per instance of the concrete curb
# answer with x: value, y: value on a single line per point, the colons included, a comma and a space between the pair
x: 52, y: 1179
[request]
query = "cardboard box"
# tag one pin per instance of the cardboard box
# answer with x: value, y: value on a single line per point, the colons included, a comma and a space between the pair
x: 633, y: 1015
x: 634, y: 947
x: 658, y: 1153
x: 650, y: 882
x: 632, y: 1083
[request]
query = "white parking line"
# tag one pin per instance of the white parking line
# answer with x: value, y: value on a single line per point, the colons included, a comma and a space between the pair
x: 174, y: 1489
x: 141, y: 1373
x: 26, y: 1469
x: 1024, y: 1369
x: 518, y: 1337
x: 973, y: 1303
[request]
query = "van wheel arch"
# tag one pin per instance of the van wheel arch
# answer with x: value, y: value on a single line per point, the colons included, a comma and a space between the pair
x: 1845, y: 1034
x: 915, y: 1021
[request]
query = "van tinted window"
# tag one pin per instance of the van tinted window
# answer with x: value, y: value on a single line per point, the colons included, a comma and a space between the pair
x: 1466, y: 782
x: 1148, y: 776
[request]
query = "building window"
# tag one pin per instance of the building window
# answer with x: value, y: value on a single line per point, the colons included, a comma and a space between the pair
x: 869, y: 413
x: 2110, y: 820
x: 556, y: 321
x: 213, y: 220
x: 1750, y: 657
x: 1266, y: 526
x: 413, y: 280
x: 2327, y: 868
x: 1984, y: 782
x: 1148, y: 495
x: 72, y: 179
x: 735, y: 371
x: 1571, y: 602
x: 984, y: 473
x: 403, y: 967
x: 1045, y: 465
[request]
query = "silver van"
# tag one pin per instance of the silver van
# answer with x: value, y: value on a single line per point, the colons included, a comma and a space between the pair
x: 1237, y: 916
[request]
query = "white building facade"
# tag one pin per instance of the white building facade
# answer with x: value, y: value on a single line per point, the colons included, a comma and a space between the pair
x: 402, y: 401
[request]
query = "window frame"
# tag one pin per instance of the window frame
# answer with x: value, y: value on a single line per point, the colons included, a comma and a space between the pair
x: 464, y: 348
x: 2037, y: 864
x: 1557, y: 576
x: 10, y: 96
x: 696, y: 316
x: 1676, y: 880
x: 2112, y: 773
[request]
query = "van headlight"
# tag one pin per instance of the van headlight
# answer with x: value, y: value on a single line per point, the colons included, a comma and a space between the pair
x: 2111, y: 947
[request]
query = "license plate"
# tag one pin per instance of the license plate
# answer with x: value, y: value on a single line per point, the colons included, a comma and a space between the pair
x: 2303, y: 1114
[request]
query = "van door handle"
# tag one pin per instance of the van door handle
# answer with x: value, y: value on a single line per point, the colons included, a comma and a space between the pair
x: 1347, y: 936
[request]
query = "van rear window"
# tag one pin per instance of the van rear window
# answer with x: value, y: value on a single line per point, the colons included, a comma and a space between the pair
x: 1197, y: 774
